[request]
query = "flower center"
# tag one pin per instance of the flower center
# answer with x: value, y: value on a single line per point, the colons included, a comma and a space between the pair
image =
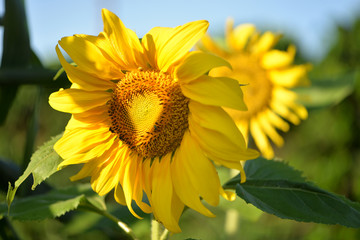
x: 258, y: 87
x: 149, y: 112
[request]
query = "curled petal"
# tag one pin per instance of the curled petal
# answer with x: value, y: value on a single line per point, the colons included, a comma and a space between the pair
x: 197, y: 64
x: 215, y: 91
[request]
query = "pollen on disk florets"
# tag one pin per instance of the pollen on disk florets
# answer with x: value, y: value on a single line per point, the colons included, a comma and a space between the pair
x: 149, y: 113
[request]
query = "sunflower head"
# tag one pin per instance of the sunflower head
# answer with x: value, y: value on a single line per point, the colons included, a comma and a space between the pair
x: 267, y: 75
x: 149, y: 113
x: 147, y: 119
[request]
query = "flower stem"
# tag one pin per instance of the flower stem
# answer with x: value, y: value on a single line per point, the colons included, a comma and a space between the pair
x: 155, y: 229
x: 124, y: 227
x: 121, y: 224
x: 158, y: 231
x: 164, y: 235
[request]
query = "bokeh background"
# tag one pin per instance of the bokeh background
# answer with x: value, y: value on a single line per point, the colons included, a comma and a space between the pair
x: 326, y: 147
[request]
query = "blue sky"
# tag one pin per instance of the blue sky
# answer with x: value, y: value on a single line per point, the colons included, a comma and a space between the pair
x: 311, y: 22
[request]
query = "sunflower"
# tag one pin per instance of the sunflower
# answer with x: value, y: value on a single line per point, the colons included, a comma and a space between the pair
x: 267, y: 75
x: 146, y: 119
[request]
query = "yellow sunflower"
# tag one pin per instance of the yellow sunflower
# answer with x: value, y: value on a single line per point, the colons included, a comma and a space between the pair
x: 267, y: 74
x: 147, y: 119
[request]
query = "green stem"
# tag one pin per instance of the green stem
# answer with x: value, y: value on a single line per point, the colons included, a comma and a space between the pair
x: 158, y: 231
x: 123, y: 226
x: 164, y: 235
x: 232, y: 216
x: 155, y: 229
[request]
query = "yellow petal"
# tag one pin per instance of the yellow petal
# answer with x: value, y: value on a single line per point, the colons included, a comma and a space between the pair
x: 197, y: 64
x: 103, y: 42
x: 238, y: 38
x: 219, y: 146
x: 215, y: 91
x: 288, y: 98
x: 119, y: 195
x: 137, y: 48
x: 269, y: 129
x: 124, y: 41
x: 208, y: 45
x: 147, y: 171
x: 284, y: 94
x: 128, y: 175
x: 291, y: 77
x: 152, y: 42
x: 278, y: 59
x: 83, y: 139
x: 280, y: 108
x: 93, y: 115
x: 83, y: 79
x: 243, y: 126
x: 77, y: 100
x: 86, y: 171
x: 74, y: 123
x: 179, y: 42
x: 277, y: 121
x: 184, y: 187
x: 94, y: 152
x: 77, y: 121
x: 87, y: 56
x: 106, y: 176
x: 298, y: 109
x: 162, y: 194
x: 265, y: 42
x: 260, y: 139
x: 201, y: 172
x: 230, y: 196
x: 177, y: 207
x: 138, y: 189
x: 216, y: 119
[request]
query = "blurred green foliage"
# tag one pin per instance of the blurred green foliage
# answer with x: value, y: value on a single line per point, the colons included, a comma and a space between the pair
x: 327, y: 145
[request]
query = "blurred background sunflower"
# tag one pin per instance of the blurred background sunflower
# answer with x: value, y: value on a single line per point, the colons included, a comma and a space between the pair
x: 266, y: 76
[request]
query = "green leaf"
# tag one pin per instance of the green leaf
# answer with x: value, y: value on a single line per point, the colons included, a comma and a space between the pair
x: 299, y: 201
x: 261, y: 168
x: 276, y: 188
x: 43, y: 164
x: 326, y: 93
x: 54, y: 203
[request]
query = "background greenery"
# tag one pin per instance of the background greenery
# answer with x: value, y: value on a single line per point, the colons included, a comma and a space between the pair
x: 325, y: 147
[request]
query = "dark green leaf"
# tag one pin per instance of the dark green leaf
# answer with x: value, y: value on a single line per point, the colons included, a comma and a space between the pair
x: 43, y: 163
x: 261, y: 168
x: 54, y: 203
x: 299, y: 201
